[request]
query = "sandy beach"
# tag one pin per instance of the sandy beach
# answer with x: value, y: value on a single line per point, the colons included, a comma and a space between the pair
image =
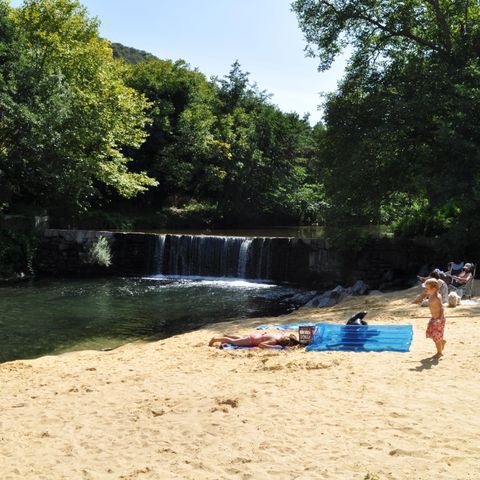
x: 177, y: 409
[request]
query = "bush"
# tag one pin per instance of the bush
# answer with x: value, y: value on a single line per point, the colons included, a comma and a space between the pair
x: 100, y: 252
x: 423, y: 220
x: 194, y: 215
x: 17, y: 250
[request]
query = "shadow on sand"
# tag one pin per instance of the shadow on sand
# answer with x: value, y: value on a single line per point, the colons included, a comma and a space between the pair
x: 427, y: 364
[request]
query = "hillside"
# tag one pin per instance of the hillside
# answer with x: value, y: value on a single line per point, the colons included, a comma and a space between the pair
x: 130, y: 54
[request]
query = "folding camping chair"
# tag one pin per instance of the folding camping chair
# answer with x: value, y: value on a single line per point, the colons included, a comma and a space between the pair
x: 454, y: 268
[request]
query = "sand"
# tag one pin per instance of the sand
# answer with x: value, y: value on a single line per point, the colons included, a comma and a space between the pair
x: 177, y: 409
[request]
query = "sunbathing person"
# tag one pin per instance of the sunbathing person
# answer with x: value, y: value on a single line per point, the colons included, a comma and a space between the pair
x: 261, y: 340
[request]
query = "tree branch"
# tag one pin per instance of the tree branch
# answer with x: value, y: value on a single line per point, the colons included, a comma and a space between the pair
x: 399, y: 33
x: 384, y: 28
x: 442, y: 21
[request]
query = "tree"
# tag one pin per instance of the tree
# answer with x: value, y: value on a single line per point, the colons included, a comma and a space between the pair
x: 222, y: 144
x: 405, y: 113
x: 380, y: 30
x: 6, y: 39
x: 266, y: 171
x: 180, y: 138
x: 67, y: 114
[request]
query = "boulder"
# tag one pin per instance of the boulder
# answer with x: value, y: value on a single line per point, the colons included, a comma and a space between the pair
x: 328, y: 298
x: 359, y: 288
x: 303, y: 297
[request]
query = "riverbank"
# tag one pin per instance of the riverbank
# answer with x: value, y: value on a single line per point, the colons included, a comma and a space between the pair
x: 176, y: 409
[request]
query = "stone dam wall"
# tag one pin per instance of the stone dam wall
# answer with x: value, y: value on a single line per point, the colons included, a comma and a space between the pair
x: 317, y: 262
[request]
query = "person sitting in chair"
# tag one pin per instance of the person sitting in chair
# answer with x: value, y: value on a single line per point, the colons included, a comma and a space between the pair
x: 460, y: 281
x: 453, y: 277
x: 464, y: 276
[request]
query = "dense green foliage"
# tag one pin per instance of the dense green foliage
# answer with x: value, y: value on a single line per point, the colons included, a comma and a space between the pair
x: 66, y: 111
x: 402, y: 139
x: 85, y: 125
x: 16, y: 252
x: 213, y: 151
x: 221, y: 150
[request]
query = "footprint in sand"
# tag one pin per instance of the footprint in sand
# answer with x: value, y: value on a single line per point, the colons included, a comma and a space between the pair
x: 397, y: 452
x: 317, y: 365
x: 233, y: 402
x: 223, y: 404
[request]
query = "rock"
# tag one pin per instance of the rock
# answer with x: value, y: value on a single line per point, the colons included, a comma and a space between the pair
x: 328, y: 298
x: 375, y: 292
x: 359, y: 288
x: 338, y: 293
x: 321, y: 301
x: 303, y: 297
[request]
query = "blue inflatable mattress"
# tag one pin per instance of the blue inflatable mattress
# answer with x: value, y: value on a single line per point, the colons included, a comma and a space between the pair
x: 361, y: 338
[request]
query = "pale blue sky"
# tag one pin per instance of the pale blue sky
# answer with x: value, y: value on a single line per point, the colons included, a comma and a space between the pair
x: 211, y: 34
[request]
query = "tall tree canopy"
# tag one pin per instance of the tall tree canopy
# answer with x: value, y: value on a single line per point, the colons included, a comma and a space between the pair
x: 179, y: 137
x: 66, y: 112
x: 268, y: 167
x: 223, y: 143
x: 402, y: 141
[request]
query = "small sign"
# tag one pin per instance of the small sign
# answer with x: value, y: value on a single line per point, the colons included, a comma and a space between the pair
x: 305, y: 335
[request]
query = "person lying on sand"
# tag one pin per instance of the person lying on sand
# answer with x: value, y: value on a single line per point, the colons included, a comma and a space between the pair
x: 261, y: 340
x: 436, y: 325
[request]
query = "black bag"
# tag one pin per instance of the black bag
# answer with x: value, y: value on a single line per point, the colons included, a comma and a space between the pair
x: 357, y: 319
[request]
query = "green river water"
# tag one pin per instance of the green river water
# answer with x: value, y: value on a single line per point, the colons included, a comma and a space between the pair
x: 46, y: 317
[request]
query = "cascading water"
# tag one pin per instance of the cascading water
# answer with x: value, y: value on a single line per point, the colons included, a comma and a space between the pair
x: 202, y: 255
x: 243, y: 257
x: 159, y: 253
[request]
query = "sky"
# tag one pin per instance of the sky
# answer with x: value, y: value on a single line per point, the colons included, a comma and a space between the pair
x: 263, y: 35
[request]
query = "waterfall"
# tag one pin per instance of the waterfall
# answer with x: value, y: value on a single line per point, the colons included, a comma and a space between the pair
x: 159, y: 253
x: 243, y: 257
x: 221, y: 256
x: 212, y: 256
